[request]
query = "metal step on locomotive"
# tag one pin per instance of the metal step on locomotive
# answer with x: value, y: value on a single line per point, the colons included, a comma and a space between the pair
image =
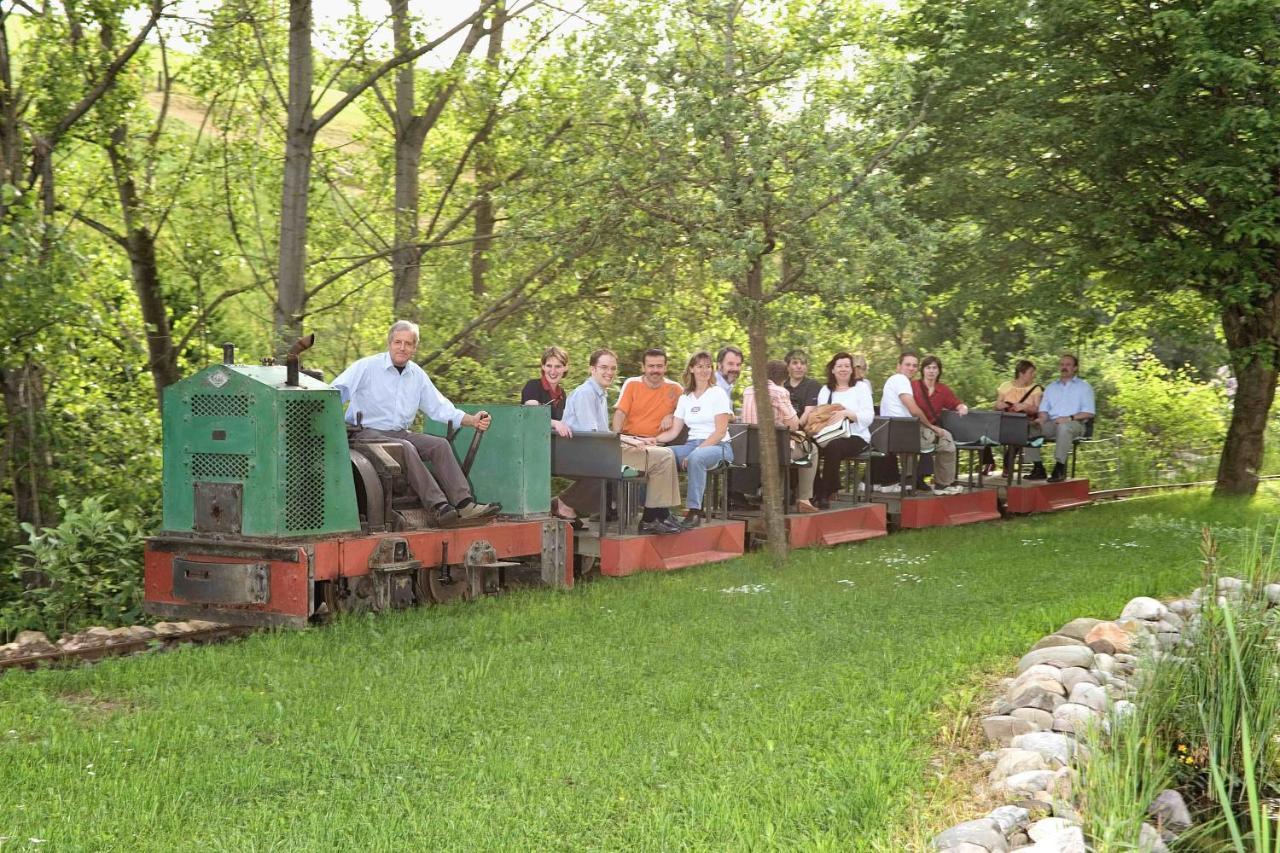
x: 273, y: 517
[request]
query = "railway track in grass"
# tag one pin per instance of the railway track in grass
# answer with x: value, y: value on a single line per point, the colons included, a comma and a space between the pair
x: 121, y: 646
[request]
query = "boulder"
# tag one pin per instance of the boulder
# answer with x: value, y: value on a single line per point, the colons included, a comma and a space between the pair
x: 1144, y: 608
x: 1002, y: 729
x: 1272, y: 592
x: 140, y: 632
x: 31, y: 638
x: 168, y: 629
x: 984, y: 833
x: 1028, y: 781
x: 1078, y: 628
x: 10, y: 650
x: 1042, y: 720
x: 1170, y: 811
x: 1053, y: 640
x: 1071, y: 676
x: 1090, y: 695
x: 1149, y: 840
x: 1036, y: 809
x: 1059, y: 656
x: 1102, y: 647
x: 1183, y: 607
x: 1057, y: 835
x: 1119, y: 638
x: 1011, y: 761
x: 1105, y: 663
x: 1041, y: 671
x: 1009, y: 818
x: 1070, y: 717
x: 1043, y: 695
x: 1056, y: 749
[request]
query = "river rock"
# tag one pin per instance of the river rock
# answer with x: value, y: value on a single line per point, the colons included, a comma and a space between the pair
x: 1057, y: 834
x: 1170, y: 811
x: 984, y: 833
x: 966, y: 847
x: 1009, y: 818
x: 10, y: 650
x: 140, y: 632
x: 1002, y: 729
x: 1078, y: 628
x: 1183, y: 607
x: 1029, y: 781
x: 1059, y: 656
x: 1036, y: 673
x: 1111, y: 634
x: 1149, y: 840
x: 32, y: 643
x: 1042, y: 720
x: 168, y: 629
x: 1071, y: 676
x: 1074, y: 718
x: 1272, y: 592
x: 1105, y: 663
x: 1229, y: 584
x: 1090, y: 695
x: 1039, y: 695
x: 1053, y: 640
x: 1056, y: 748
x: 1144, y: 608
x: 1012, y: 761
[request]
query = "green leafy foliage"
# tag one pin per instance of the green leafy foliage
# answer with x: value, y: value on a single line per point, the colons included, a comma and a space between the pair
x: 85, y: 570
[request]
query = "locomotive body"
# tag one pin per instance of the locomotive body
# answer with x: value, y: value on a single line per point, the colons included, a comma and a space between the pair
x: 272, y: 516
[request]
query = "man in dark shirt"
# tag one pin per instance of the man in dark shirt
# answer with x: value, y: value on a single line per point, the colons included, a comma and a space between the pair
x: 803, y: 389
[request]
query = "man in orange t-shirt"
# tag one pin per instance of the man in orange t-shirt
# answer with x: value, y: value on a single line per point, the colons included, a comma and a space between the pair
x: 648, y: 402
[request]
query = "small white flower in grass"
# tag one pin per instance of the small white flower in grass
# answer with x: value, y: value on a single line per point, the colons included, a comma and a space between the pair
x: 846, y: 582
x: 35, y: 840
x: 747, y: 588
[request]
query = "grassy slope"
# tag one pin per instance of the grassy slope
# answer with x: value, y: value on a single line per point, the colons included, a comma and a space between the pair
x: 650, y: 713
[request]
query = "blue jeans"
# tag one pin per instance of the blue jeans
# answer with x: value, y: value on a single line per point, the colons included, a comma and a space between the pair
x: 700, y: 459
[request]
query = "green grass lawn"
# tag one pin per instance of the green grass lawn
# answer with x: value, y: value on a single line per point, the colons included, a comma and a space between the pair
x: 722, y: 707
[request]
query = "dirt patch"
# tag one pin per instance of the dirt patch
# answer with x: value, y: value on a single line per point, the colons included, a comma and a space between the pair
x: 94, y: 708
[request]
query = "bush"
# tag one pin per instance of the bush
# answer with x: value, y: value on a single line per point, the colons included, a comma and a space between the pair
x: 86, y: 570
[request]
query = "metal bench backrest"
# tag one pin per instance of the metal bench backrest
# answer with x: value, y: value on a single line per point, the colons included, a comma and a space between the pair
x: 587, y: 454
x: 895, y: 435
x: 973, y: 428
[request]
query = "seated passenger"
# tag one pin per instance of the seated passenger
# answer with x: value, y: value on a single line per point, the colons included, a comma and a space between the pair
x: 802, y: 387
x: 728, y: 369
x: 1065, y: 408
x: 848, y: 388
x: 587, y: 410
x: 1022, y: 394
x: 898, y: 401
x: 385, y: 393
x: 648, y: 401
x: 547, y: 390
x: 784, y: 415
x: 706, y: 410
x: 934, y: 396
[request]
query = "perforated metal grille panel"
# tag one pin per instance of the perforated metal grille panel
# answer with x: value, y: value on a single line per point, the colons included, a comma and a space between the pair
x: 220, y: 405
x: 219, y: 466
x: 303, y: 466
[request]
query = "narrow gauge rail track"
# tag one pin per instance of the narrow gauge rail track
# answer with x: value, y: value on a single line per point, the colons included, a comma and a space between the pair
x: 127, y: 647
x: 228, y: 632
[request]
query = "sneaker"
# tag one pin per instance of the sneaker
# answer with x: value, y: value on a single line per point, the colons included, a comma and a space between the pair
x: 692, y: 519
x: 665, y: 527
x: 954, y: 489
x: 1037, y: 472
x: 446, y: 515
x: 476, y: 510
x: 1059, y: 473
x: 891, y: 489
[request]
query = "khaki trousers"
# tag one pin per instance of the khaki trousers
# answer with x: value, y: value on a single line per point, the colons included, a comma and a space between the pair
x: 944, y: 456
x: 662, y: 476
x: 1063, y: 436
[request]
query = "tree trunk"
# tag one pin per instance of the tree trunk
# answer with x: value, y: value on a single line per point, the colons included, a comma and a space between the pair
x: 406, y: 272
x: 1253, y: 338
x: 300, y: 134
x: 486, y: 168
x: 771, y: 470
x: 144, y: 268
x: 26, y: 448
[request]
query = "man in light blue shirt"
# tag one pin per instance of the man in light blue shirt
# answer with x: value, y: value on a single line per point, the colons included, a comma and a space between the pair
x: 728, y: 369
x: 1066, y: 407
x: 385, y: 393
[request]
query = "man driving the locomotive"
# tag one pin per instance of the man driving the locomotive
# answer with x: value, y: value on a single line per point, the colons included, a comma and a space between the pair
x: 385, y: 392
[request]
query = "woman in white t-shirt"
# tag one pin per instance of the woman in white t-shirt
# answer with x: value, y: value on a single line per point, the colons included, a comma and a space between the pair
x: 846, y: 386
x: 705, y: 409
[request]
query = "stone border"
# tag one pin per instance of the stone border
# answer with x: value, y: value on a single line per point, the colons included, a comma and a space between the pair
x: 1085, y: 672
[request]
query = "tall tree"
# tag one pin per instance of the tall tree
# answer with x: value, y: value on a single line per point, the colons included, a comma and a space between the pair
x: 1127, y: 147
x: 748, y: 137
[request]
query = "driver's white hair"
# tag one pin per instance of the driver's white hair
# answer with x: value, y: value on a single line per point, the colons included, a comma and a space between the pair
x: 402, y: 326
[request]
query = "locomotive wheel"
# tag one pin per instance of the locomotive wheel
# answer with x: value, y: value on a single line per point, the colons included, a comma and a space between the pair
x: 440, y: 590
